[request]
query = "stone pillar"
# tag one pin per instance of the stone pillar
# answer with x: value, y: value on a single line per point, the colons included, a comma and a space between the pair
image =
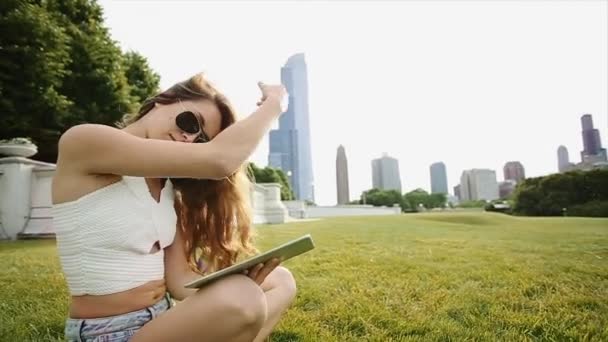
x: 274, y: 210
x: 296, y: 209
x: 15, y: 192
x: 257, y: 194
x: 16, y: 181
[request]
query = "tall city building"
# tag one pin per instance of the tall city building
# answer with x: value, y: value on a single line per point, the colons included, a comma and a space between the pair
x: 592, y: 146
x: 563, y: 161
x: 506, y: 188
x: 478, y: 184
x: 457, y: 192
x: 514, y: 170
x: 385, y: 173
x: 439, y: 178
x: 289, y: 146
x: 342, y: 176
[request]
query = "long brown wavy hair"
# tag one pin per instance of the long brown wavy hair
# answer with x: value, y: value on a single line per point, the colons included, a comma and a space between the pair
x: 214, y: 215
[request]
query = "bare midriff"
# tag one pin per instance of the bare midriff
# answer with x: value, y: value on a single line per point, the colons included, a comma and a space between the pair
x: 89, y: 306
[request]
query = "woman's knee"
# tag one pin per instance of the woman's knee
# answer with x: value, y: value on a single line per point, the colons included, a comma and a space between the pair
x: 286, y: 281
x: 242, y: 299
x: 251, y: 306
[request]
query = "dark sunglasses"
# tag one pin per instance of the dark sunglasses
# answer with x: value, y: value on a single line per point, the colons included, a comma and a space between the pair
x: 188, y: 122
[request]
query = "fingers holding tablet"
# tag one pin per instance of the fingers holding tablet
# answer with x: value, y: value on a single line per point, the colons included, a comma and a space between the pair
x: 260, y: 271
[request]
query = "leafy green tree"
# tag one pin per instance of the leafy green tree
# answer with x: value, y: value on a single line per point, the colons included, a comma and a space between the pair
x: 96, y: 84
x: 286, y: 191
x: 550, y: 195
x: 417, y: 197
x: 34, y: 58
x: 272, y: 175
x: 437, y: 200
x: 143, y: 81
x: 59, y: 67
x: 377, y: 197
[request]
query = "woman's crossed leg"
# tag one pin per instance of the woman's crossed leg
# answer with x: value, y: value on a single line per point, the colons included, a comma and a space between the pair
x: 231, y: 309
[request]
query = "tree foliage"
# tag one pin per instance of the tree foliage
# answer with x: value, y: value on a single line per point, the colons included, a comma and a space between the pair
x: 272, y: 175
x: 59, y: 67
x: 142, y: 79
x: 377, y: 197
x: 550, y: 195
x: 418, y: 197
x: 407, y: 202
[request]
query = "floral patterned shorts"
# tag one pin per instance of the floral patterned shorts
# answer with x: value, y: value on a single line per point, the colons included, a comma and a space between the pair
x: 117, y: 328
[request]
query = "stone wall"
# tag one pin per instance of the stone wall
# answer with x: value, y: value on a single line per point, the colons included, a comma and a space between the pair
x: 25, y: 200
x: 348, y: 210
x: 299, y: 210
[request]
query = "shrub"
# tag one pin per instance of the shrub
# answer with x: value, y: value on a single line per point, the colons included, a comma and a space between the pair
x: 590, y: 209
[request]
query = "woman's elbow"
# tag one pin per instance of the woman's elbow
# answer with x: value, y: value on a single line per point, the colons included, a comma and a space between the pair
x: 214, y: 164
x: 228, y: 162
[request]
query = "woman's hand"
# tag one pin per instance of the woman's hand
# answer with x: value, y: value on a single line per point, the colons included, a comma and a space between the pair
x: 259, y: 272
x: 275, y: 93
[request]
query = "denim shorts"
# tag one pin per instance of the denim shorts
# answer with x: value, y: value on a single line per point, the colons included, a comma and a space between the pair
x: 117, y: 328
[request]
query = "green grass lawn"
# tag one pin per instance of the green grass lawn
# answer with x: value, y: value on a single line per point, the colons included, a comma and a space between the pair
x: 446, y: 277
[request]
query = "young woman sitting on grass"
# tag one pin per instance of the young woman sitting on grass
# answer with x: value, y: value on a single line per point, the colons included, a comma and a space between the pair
x: 132, y: 206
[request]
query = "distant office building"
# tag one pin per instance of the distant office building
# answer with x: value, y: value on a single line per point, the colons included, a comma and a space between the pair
x: 457, y: 192
x: 514, y: 170
x: 289, y: 146
x: 591, y: 139
x: 593, y: 151
x: 385, y: 173
x: 563, y: 160
x: 506, y: 188
x: 478, y: 184
x: 342, y: 176
x: 439, y: 178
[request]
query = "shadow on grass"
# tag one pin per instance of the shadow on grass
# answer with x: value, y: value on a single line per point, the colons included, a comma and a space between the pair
x: 285, y: 336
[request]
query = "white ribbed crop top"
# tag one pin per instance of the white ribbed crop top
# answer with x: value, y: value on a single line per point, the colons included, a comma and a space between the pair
x: 105, y: 238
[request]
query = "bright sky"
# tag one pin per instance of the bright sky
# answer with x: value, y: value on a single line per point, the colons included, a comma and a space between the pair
x: 473, y: 84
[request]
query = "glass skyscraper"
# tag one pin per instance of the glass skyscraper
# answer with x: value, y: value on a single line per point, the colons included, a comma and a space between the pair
x: 385, y: 173
x: 289, y: 147
x: 439, y: 178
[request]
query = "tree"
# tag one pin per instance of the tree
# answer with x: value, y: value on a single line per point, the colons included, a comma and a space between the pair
x: 377, y: 197
x: 143, y: 80
x: 272, y: 175
x: 59, y: 67
x: 437, y: 200
x: 550, y: 195
x: 34, y: 61
x: 417, y: 197
x: 286, y: 191
x: 96, y: 84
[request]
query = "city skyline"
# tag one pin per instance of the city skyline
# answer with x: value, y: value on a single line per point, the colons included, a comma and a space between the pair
x: 483, y: 93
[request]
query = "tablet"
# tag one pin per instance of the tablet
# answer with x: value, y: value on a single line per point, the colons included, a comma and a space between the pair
x: 285, y: 251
